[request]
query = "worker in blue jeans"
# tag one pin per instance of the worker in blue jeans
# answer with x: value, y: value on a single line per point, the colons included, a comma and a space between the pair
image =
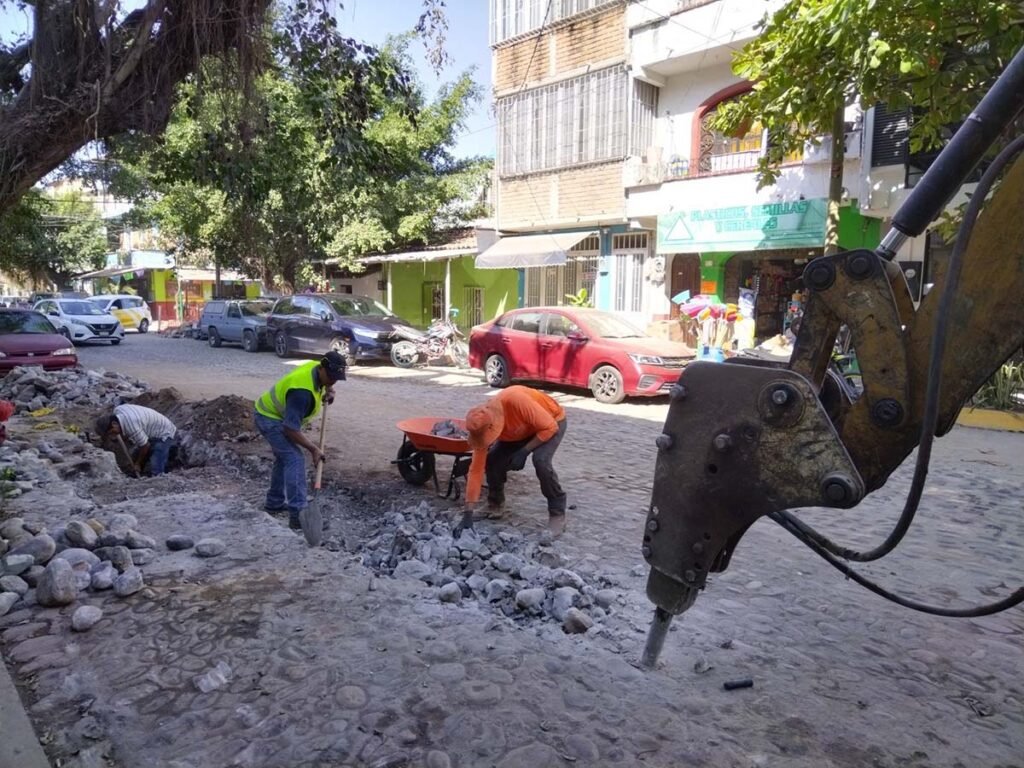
x: 281, y: 413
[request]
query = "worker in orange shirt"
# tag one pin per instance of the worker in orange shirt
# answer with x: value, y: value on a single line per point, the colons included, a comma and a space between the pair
x: 516, y: 423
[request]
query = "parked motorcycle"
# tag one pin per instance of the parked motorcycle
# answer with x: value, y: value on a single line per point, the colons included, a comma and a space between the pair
x: 441, y: 340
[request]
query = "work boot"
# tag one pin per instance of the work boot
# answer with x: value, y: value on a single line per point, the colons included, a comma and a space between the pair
x: 556, y: 523
x: 495, y: 507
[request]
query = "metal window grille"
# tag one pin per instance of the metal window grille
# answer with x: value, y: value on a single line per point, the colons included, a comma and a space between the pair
x: 574, y: 122
x: 553, y: 285
x: 630, y: 257
x: 473, y: 310
x: 533, y: 288
x: 645, y: 107
x: 436, y: 300
x: 512, y: 18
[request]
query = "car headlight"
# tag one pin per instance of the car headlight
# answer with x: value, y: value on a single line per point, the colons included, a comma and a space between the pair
x: 64, y: 351
x: 646, y: 359
x: 2, y: 355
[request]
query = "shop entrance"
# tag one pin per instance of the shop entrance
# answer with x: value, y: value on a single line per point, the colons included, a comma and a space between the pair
x: 776, y: 279
x: 685, y: 277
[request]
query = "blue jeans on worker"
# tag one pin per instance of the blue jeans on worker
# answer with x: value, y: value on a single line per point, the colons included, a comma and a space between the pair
x: 288, y: 478
x: 159, y: 451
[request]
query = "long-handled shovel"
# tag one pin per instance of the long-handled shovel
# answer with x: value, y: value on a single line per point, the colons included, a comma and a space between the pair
x: 311, y: 517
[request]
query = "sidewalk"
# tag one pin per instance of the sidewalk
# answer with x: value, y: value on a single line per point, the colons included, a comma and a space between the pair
x: 19, y: 747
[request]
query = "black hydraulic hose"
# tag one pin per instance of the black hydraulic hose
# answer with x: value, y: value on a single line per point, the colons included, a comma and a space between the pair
x: 930, y: 418
x: 1013, y: 600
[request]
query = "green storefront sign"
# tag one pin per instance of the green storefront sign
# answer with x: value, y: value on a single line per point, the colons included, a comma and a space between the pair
x: 760, y: 227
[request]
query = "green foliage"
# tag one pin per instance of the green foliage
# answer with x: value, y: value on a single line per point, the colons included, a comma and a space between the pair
x: 50, y: 238
x: 261, y: 185
x: 1005, y: 390
x: 581, y: 299
x: 815, y: 56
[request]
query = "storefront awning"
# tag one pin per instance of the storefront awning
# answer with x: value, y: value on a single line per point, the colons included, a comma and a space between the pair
x: 107, y: 272
x: 530, y: 250
x: 738, y: 228
x: 192, y: 275
x: 435, y: 255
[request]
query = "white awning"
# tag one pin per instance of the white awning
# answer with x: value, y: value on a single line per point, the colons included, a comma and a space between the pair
x: 440, y: 254
x: 530, y: 250
x: 192, y: 275
x: 107, y: 272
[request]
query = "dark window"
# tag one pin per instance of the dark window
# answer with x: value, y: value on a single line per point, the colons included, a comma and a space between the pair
x: 301, y: 305
x: 233, y: 311
x: 558, y: 325
x: 889, y: 136
x: 24, y: 322
x: 527, y: 322
x: 320, y: 309
x: 284, y: 307
x: 505, y: 321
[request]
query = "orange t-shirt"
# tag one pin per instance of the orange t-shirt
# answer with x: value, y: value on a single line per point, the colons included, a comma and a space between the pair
x: 528, y: 414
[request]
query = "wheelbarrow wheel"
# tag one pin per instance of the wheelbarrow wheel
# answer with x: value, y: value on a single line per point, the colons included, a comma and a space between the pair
x: 415, y: 466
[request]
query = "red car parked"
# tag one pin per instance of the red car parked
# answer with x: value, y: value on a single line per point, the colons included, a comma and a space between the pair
x: 585, y: 348
x: 28, y: 338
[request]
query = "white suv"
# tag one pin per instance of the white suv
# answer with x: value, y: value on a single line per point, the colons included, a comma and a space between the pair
x: 132, y: 311
x: 81, y: 320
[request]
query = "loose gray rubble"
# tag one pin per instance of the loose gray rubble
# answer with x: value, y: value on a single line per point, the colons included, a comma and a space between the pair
x: 520, y: 577
x: 31, y: 388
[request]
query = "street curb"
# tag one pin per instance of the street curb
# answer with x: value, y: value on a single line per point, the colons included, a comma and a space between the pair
x: 19, y: 747
x: 983, y: 418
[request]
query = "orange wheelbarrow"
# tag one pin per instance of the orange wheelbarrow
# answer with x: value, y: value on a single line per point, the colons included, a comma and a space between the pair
x: 416, y: 460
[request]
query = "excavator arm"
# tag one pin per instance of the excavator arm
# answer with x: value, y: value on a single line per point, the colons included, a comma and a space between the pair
x: 748, y: 439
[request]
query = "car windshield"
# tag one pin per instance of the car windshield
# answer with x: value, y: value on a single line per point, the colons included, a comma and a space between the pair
x: 256, y: 308
x: 100, y: 303
x: 24, y: 322
x: 609, y: 326
x: 358, y: 305
x: 80, y: 308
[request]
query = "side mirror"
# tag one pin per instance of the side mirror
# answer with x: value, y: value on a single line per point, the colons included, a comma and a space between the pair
x: 576, y: 336
x: 325, y: 316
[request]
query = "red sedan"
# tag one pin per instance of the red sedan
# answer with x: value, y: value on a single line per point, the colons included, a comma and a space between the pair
x: 28, y: 338
x: 584, y: 348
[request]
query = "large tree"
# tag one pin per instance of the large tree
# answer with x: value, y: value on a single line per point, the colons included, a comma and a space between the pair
x: 90, y: 70
x: 255, y: 183
x: 49, y: 238
x: 814, y: 57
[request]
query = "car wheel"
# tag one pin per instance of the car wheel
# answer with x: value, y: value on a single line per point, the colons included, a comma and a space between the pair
x: 214, y: 337
x: 280, y: 344
x: 415, y: 466
x: 606, y: 384
x: 496, y: 371
x: 344, y: 348
x: 144, y: 326
x: 249, y: 342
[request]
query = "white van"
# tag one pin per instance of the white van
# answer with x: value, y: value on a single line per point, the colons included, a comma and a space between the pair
x: 131, y: 311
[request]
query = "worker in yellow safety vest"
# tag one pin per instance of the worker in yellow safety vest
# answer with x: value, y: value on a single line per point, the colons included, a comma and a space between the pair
x: 281, y: 413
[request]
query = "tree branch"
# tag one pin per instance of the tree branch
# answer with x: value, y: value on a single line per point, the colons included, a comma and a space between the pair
x: 153, y: 11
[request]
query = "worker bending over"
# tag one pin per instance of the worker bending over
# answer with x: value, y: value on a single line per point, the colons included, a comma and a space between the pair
x: 150, y: 435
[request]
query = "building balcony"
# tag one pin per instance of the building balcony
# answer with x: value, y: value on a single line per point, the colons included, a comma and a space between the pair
x: 653, y: 169
x: 670, y: 37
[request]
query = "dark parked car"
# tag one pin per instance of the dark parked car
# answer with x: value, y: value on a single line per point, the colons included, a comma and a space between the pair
x: 237, y: 321
x: 358, y: 327
x: 585, y: 348
x: 28, y: 338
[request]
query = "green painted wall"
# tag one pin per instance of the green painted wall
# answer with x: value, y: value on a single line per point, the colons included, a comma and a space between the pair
x: 713, y: 272
x: 409, y: 298
x: 856, y: 231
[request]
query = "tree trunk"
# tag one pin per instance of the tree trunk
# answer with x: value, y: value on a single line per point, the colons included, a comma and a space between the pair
x: 835, y: 181
x: 86, y: 86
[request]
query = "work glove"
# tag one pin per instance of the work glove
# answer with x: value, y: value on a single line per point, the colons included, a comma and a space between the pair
x: 466, y: 524
x: 518, y: 460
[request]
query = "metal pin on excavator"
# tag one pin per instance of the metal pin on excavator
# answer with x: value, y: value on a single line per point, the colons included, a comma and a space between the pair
x: 748, y: 439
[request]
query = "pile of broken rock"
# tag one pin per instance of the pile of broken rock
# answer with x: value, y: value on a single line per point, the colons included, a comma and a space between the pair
x: 51, y: 567
x: 31, y: 388
x: 504, y: 570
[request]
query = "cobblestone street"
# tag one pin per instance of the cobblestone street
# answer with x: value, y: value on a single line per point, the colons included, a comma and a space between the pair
x: 334, y: 667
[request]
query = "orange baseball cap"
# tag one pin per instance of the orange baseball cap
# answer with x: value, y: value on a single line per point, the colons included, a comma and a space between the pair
x: 484, y: 424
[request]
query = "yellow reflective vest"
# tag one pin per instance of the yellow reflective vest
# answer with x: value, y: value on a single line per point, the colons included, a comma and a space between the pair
x: 272, y: 402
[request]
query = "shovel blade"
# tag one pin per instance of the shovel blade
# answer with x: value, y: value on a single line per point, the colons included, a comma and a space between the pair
x: 312, y: 521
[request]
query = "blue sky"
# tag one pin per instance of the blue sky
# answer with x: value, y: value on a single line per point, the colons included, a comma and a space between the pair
x: 372, y: 21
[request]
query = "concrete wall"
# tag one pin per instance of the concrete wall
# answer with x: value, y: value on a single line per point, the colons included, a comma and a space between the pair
x: 589, y: 195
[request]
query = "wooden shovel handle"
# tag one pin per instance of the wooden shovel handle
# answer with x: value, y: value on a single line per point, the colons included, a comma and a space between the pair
x: 323, y: 436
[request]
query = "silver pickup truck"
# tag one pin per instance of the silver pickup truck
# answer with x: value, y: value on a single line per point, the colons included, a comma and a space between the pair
x: 236, y: 321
